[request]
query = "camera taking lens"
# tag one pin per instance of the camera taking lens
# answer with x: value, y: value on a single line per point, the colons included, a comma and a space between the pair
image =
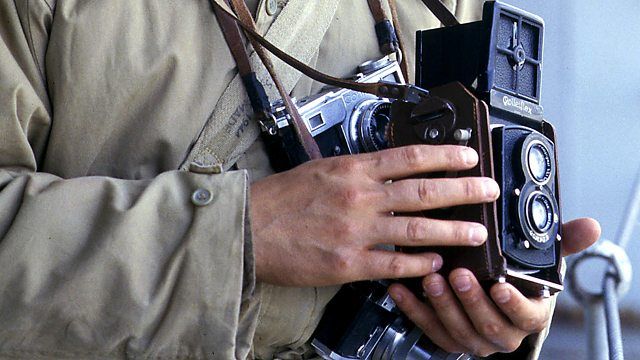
x: 369, y: 130
x: 540, y: 212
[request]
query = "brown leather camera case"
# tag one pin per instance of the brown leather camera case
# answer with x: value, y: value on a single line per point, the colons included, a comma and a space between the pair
x: 435, y: 120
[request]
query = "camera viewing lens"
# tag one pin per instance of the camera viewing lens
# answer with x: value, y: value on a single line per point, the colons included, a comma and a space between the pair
x: 540, y: 213
x: 539, y: 162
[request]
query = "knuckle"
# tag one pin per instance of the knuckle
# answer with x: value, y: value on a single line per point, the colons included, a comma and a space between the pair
x: 455, y: 155
x: 512, y: 345
x: 346, y: 229
x: 533, y: 324
x: 343, y: 263
x: 473, y: 298
x: 350, y: 196
x: 427, y: 190
x: 416, y: 230
x: 347, y: 164
x: 491, y: 329
x: 397, y: 267
x: 471, y: 188
x: 460, y: 234
x: 412, y: 155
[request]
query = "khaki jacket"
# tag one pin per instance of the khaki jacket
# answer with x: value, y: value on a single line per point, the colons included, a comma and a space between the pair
x: 104, y: 253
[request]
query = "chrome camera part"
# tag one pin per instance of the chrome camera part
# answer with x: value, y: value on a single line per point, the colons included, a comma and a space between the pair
x: 538, y: 162
x: 344, y: 121
x: 366, y: 324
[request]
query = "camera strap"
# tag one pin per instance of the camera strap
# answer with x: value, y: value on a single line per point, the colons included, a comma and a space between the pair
x: 255, y: 90
x: 387, y: 40
x: 388, y: 33
x: 302, y: 133
x: 441, y: 12
x: 382, y: 89
x: 230, y: 129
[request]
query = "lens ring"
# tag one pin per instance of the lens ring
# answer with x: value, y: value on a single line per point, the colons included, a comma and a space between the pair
x: 539, y: 212
x: 539, y: 216
x: 372, y: 126
x: 538, y: 162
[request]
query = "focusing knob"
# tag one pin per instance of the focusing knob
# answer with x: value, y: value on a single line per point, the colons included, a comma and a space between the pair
x: 519, y: 56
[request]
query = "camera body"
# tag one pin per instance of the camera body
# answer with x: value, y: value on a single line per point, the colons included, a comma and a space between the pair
x: 499, y: 59
x: 363, y: 322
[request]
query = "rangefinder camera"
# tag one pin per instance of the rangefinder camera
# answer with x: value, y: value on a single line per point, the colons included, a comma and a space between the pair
x: 342, y: 121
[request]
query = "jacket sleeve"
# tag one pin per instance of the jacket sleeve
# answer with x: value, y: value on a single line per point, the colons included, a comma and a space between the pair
x: 102, y: 267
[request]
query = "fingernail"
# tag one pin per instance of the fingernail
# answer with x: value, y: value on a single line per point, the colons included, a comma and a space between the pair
x: 478, y: 235
x: 462, y: 283
x: 434, y: 288
x: 437, y: 264
x: 502, y: 296
x: 469, y: 156
x: 491, y: 189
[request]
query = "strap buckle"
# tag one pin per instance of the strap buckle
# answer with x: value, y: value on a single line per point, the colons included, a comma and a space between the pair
x: 268, y: 122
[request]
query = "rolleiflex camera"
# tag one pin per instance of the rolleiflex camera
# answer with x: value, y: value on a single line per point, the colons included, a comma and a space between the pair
x: 499, y: 59
x: 483, y: 82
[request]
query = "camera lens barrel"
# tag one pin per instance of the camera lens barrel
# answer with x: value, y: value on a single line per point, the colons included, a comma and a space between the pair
x: 402, y: 340
x: 369, y: 123
x: 538, y: 161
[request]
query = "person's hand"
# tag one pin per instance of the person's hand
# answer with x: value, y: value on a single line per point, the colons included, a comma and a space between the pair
x: 319, y: 223
x: 463, y: 318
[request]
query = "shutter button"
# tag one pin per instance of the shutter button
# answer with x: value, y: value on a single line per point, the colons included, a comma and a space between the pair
x: 201, y: 197
x: 272, y: 7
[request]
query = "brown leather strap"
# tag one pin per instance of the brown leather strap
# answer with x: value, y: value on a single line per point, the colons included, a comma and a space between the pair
x: 404, y: 65
x: 382, y: 89
x: 376, y: 10
x: 304, y: 136
x: 441, y: 12
x: 257, y: 95
x: 385, y: 32
x: 232, y: 36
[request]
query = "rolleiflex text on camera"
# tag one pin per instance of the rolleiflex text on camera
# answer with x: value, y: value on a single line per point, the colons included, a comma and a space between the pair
x: 483, y: 82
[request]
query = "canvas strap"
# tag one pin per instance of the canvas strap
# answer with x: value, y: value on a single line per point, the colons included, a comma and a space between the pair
x: 230, y: 129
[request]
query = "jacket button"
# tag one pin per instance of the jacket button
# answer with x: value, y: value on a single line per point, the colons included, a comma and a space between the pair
x: 201, y: 197
x: 272, y: 7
